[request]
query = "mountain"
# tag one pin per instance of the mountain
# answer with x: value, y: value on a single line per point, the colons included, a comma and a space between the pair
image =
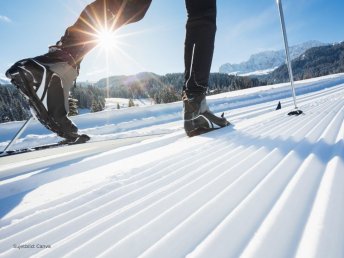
x: 315, y: 62
x: 4, y: 81
x: 126, y: 80
x: 265, y: 62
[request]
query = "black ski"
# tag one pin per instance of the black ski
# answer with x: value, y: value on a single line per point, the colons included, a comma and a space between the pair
x: 83, y: 138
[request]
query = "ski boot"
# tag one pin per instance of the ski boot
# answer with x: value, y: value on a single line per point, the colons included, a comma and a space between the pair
x: 45, y: 81
x: 198, y: 119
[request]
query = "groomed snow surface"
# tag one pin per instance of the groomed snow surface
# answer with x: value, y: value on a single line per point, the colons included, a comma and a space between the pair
x: 271, y: 185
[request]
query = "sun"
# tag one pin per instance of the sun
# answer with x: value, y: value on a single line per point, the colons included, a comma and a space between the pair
x: 106, y: 39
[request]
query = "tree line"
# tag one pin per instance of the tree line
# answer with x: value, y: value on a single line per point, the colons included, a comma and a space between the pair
x: 168, y: 88
x: 161, y: 89
x: 13, y: 106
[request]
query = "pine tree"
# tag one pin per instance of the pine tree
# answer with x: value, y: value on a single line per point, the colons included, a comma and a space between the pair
x: 73, y: 107
x: 94, y: 106
x: 97, y: 105
x: 131, y: 103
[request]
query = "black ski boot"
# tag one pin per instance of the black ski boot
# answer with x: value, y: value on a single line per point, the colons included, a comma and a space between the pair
x: 46, y: 81
x: 198, y: 118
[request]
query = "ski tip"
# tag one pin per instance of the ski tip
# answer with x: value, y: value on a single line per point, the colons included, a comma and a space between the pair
x: 295, y: 113
x: 85, y: 137
x: 82, y: 139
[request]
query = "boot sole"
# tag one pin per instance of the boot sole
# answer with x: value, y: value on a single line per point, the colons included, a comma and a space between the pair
x: 16, y: 74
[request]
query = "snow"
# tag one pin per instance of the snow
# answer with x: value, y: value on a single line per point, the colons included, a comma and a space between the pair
x: 264, y: 62
x: 260, y: 72
x: 111, y: 103
x: 268, y: 186
x: 4, y: 80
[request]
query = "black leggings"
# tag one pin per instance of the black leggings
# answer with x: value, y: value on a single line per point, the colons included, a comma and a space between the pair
x: 199, y: 43
x: 199, y: 40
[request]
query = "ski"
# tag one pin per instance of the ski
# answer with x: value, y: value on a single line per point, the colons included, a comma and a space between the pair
x: 80, y: 140
x: 83, y: 138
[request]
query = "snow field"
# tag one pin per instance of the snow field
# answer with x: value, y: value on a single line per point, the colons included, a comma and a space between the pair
x: 156, y: 119
x: 112, y: 103
x: 269, y: 181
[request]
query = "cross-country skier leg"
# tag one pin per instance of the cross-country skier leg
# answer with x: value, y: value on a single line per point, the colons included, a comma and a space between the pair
x: 199, y: 48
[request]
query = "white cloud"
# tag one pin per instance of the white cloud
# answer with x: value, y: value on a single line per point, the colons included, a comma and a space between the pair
x: 4, y: 18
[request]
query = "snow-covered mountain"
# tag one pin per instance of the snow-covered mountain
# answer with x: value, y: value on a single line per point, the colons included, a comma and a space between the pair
x: 4, y: 80
x: 264, y: 62
x: 270, y: 185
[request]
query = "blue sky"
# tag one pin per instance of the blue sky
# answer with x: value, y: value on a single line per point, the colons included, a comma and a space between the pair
x: 155, y: 44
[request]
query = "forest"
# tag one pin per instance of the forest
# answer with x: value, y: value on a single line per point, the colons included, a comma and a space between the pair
x: 161, y: 89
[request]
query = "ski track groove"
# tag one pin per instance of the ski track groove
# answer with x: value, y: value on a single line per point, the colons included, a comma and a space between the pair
x: 142, y: 200
x: 319, y: 216
x: 84, y: 166
x: 209, y: 183
x: 304, y: 167
x: 212, y: 253
x: 309, y: 164
x: 125, y: 249
x: 16, y: 236
x: 121, y: 193
x: 104, y: 185
x: 167, y: 250
x: 142, y: 174
x: 195, y: 180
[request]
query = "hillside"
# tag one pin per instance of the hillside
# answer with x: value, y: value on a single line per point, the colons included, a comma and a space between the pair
x: 167, y: 88
x: 315, y: 62
x: 4, y: 81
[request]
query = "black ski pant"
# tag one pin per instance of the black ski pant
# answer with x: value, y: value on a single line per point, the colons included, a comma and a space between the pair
x: 80, y: 38
x: 199, y: 44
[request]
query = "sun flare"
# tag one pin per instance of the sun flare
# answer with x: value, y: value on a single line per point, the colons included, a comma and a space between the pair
x: 107, y: 39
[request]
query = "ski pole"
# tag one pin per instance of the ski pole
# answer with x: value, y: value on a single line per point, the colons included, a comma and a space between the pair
x: 19, y: 133
x: 286, y: 46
